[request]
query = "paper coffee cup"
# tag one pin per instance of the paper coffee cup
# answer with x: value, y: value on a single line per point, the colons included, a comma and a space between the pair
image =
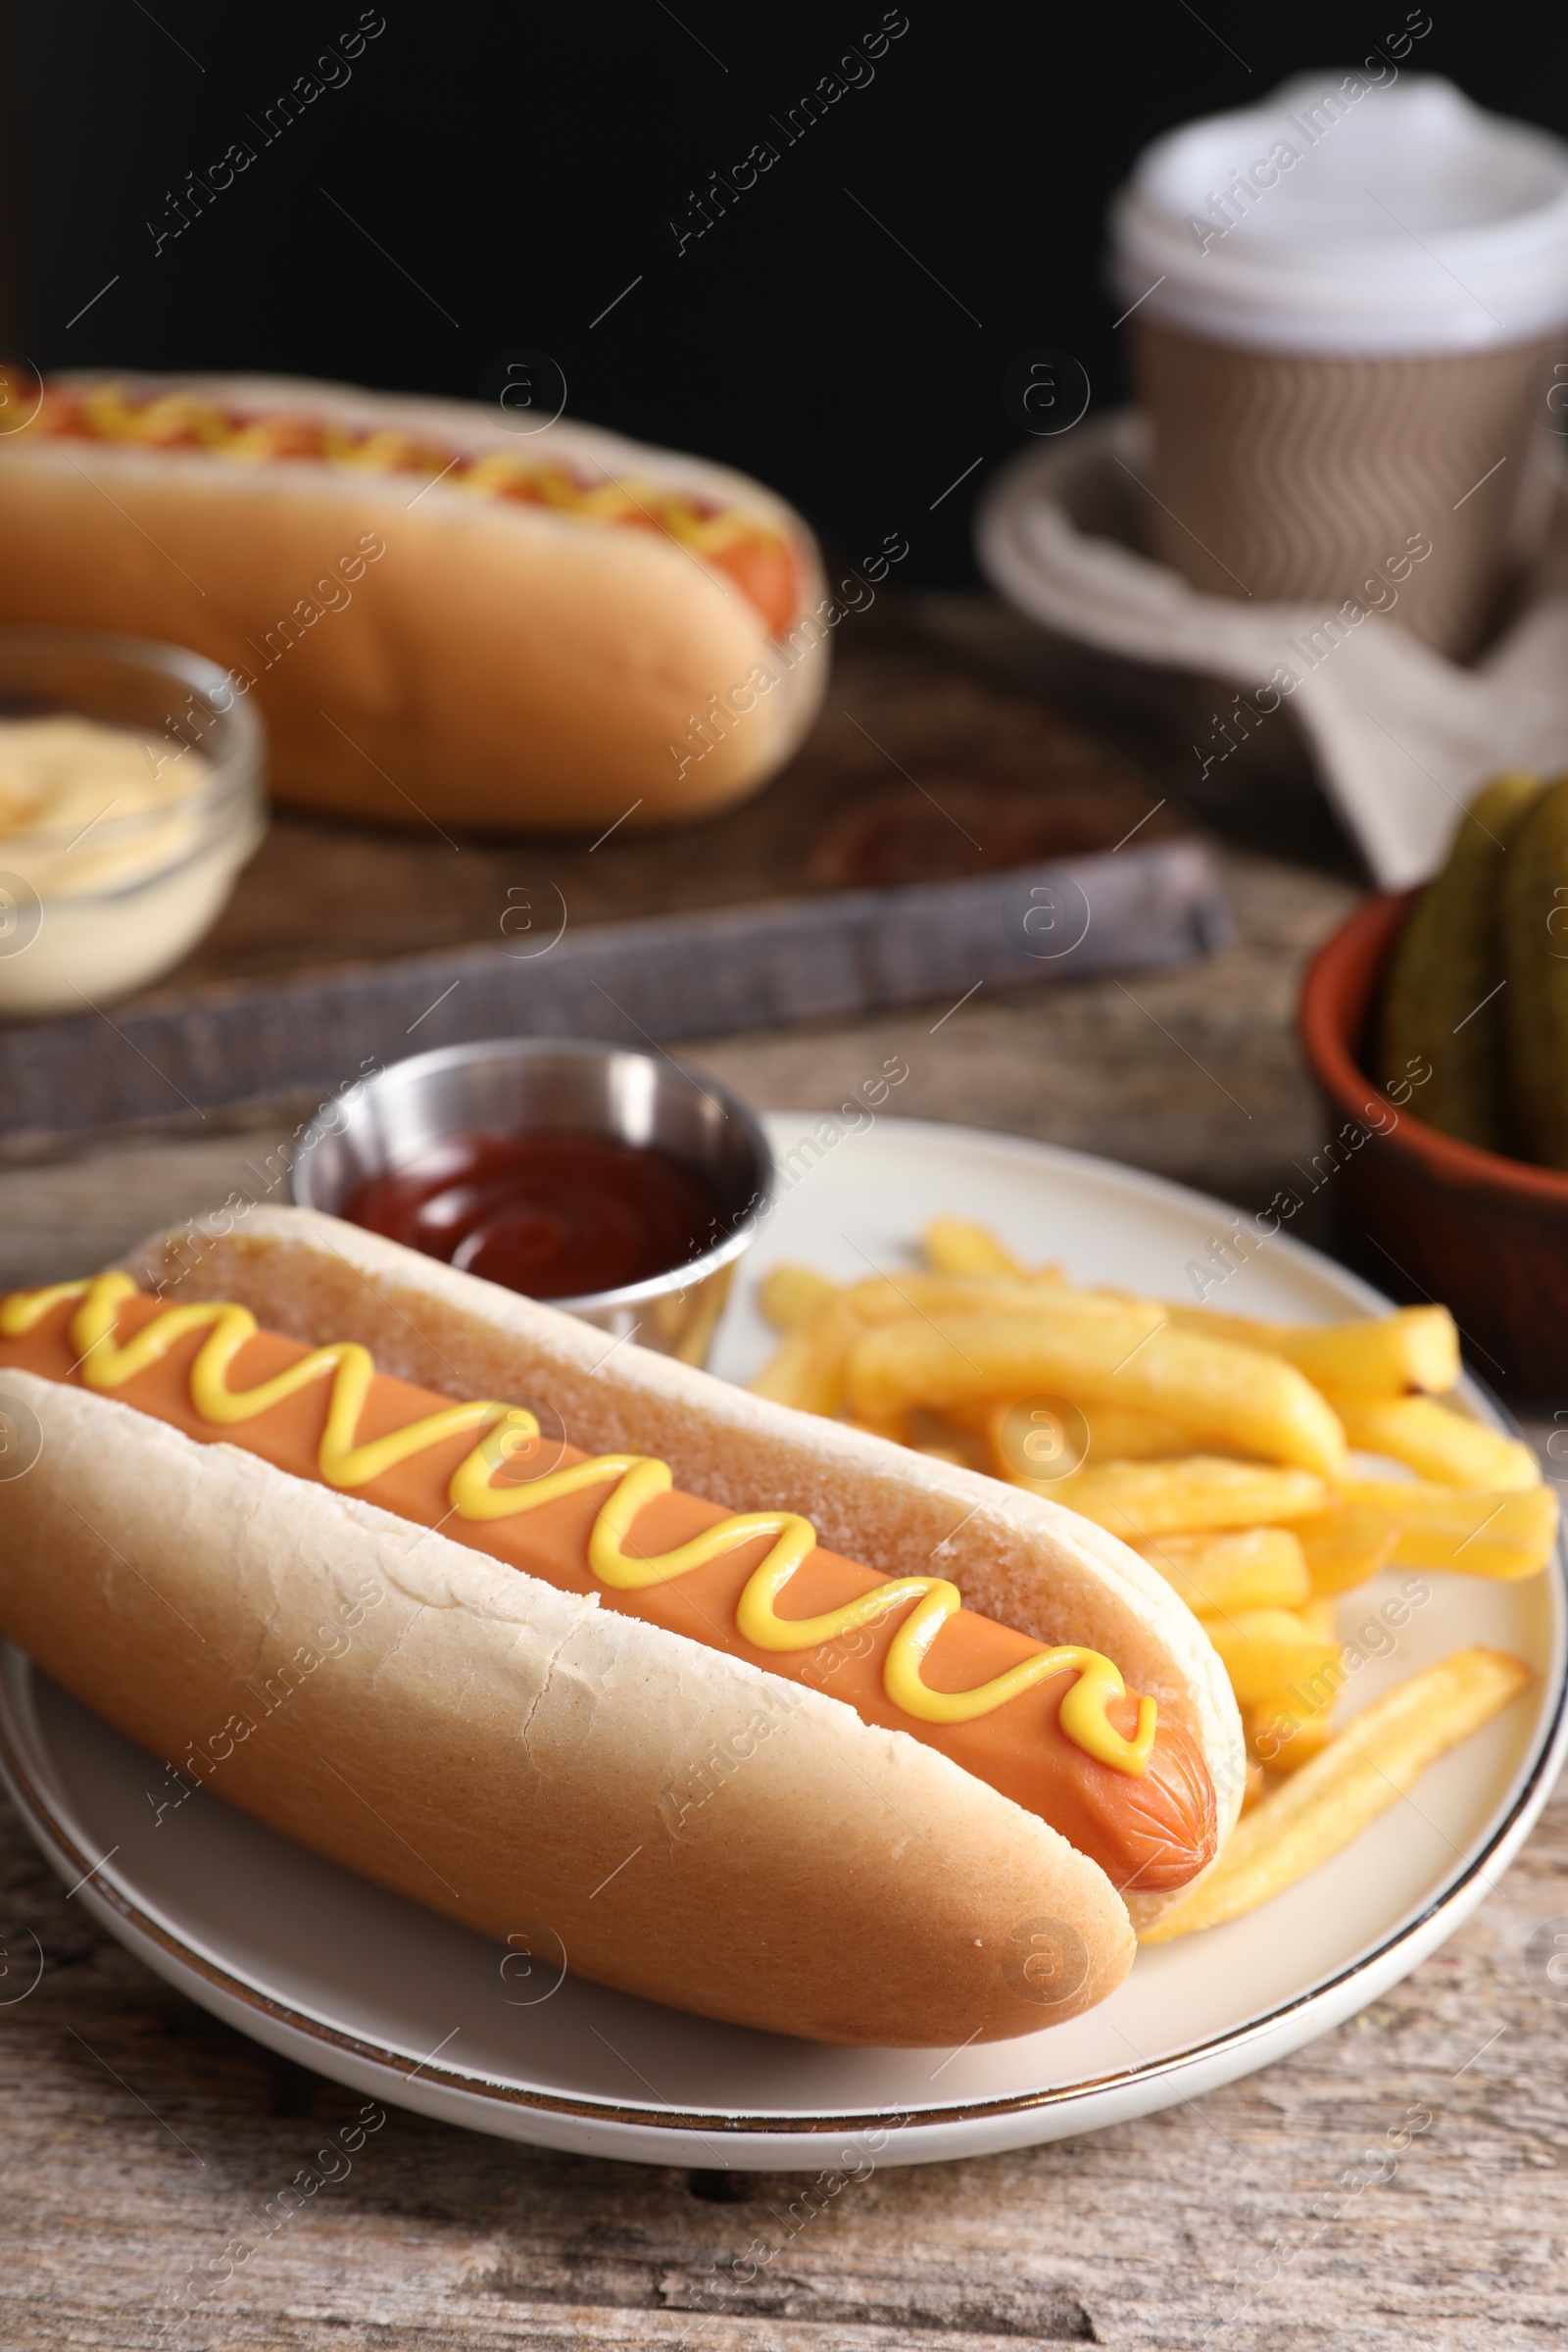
x: 1342, y: 301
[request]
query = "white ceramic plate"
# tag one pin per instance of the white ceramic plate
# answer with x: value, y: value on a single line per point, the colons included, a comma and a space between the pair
x: 391, y: 2000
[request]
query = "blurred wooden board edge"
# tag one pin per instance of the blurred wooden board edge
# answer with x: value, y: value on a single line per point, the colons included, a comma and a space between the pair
x: 665, y: 977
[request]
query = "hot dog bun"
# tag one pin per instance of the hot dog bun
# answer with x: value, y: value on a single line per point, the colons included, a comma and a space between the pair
x: 496, y: 1748
x: 501, y: 664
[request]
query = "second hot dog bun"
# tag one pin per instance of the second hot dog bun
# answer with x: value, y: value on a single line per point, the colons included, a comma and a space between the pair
x: 501, y: 664
x: 496, y: 1748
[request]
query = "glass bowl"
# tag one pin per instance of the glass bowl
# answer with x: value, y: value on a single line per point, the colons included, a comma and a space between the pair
x: 92, y: 909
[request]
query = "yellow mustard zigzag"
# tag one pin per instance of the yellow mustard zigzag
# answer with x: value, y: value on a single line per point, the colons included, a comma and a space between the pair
x: 509, y: 1430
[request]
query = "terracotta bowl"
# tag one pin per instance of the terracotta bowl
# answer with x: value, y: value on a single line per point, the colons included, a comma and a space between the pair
x: 1429, y: 1217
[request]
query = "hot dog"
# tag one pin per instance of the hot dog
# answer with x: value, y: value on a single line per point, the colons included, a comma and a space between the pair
x: 439, y: 616
x: 571, y: 1634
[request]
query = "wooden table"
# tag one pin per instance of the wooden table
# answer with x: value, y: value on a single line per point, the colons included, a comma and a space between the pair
x: 139, y: 2134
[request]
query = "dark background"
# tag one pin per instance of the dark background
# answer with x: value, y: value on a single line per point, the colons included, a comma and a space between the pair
x: 509, y: 171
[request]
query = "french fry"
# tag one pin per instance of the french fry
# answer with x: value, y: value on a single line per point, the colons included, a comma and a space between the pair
x: 1102, y: 1352
x: 1141, y: 1430
x: 1434, y: 1441
x: 808, y: 1370
x: 1256, y: 1786
x: 1248, y: 1568
x: 1017, y: 1447
x: 1345, y: 1546
x: 1474, y: 1531
x: 1118, y: 1432
x: 891, y: 1298
x: 1030, y: 1442
x: 1286, y: 1728
x: 952, y: 1246
x: 793, y: 1297
x: 1381, y: 1356
x: 1374, y: 1761
x: 1265, y: 1650
x: 789, y: 1375
x: 1139, y: 1500
x: 1301, y: 1720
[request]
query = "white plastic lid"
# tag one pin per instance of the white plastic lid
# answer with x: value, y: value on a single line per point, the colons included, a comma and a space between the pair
x: 1341, y: 214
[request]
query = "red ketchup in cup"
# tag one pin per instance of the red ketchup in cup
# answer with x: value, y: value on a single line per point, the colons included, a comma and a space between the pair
x: 554, y: 1216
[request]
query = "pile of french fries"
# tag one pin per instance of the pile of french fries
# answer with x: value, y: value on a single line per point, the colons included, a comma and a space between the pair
x: 1227, y: 1453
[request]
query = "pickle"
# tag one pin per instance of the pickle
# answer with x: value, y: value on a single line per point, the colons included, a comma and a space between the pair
x: 1535, y: 946
x: 1444, y: 999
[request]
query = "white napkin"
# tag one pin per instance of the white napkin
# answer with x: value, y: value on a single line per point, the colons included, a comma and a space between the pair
x: 1402, y: 737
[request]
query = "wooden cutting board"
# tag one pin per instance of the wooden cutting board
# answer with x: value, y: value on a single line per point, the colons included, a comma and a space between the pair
x: 938, y: 831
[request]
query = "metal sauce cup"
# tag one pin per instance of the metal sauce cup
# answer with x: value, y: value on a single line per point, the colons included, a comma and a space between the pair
x: 515, y: 1086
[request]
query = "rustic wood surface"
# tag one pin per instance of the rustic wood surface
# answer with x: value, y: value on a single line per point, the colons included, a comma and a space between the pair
x: 139, y: 2134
